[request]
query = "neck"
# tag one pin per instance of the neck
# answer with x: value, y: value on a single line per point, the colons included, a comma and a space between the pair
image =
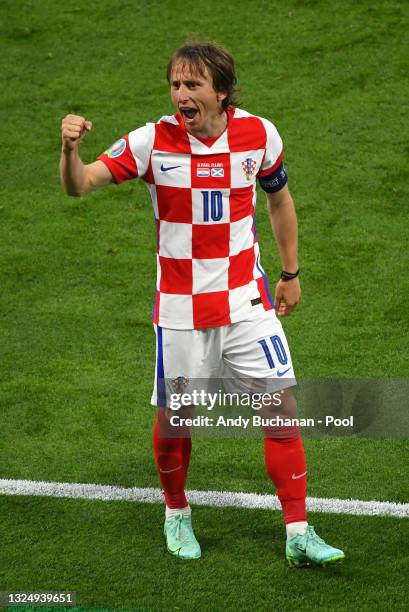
x: 214, y: 126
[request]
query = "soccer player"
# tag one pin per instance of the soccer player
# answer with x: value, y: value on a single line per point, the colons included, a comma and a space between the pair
x: 213, y: 313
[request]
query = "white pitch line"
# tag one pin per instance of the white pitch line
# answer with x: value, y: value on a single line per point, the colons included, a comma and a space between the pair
x: 200, y: 498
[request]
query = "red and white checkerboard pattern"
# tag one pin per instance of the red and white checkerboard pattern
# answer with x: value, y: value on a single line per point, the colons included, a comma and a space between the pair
x: 208, y: 270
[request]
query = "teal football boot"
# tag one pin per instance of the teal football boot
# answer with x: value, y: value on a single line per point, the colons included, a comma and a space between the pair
x: 180, y: 539
x: 301, y: 549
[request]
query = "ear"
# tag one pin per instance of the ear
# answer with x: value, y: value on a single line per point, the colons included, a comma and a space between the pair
x: 221, y: 96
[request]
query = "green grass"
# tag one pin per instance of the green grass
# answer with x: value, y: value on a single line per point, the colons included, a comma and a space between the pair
x: 112, y: 555
x: 77, y: 282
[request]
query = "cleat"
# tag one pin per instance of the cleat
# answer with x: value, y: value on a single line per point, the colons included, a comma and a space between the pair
x: 303, y: 548
x: 180, y: 539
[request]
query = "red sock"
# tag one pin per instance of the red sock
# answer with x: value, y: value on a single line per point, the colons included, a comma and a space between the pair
x: 285, y: 463
x: 172, y: 457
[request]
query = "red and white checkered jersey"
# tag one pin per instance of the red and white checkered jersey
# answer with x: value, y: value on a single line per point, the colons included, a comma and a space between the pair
x: 204, y: 196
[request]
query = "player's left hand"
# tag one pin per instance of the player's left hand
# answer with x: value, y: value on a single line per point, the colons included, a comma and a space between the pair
x: 287, y: 296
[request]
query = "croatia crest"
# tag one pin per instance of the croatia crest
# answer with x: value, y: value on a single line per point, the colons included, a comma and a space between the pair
x: 248, y: 165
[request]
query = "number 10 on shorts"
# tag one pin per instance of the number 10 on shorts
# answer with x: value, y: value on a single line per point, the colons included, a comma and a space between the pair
x: 278, y: 349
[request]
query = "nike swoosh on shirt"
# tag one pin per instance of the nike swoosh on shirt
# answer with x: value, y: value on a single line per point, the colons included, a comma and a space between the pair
x: 282, y: 373
x: 295, y: 476
x: 164, y: 169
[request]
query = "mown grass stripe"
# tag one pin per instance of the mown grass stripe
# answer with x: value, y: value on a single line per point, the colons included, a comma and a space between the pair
x: 200, y: 498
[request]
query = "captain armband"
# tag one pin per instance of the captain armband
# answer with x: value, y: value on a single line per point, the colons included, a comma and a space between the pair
x: 275, y: 181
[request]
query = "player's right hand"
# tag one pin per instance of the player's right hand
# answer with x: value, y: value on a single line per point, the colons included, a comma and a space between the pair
x: 73, y: 130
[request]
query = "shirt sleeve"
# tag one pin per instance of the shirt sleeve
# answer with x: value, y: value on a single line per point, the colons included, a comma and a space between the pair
x: 129, y: 156
x: 273, y: 156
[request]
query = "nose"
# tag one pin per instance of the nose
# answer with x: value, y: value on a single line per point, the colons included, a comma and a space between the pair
x: 182, y: 94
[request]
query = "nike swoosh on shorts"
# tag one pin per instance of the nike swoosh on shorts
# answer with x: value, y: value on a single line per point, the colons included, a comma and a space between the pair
x: 282, y: 373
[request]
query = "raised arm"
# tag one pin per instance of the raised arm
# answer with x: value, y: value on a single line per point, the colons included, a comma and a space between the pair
x: 76, y: 177
x: 283, y: 219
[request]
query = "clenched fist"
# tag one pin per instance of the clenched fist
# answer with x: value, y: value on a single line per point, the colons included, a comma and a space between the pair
x: 73, y: 130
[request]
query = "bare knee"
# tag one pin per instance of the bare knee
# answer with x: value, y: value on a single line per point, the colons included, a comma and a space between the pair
x: 282, y: 403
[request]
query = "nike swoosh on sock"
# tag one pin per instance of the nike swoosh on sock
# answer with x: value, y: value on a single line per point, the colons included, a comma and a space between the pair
x: 169, y: 471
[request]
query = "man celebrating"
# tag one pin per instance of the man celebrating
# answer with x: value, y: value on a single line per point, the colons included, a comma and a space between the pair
x: 213, y: 313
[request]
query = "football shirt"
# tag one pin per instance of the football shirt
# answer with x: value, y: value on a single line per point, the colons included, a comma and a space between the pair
x: 204, y: 196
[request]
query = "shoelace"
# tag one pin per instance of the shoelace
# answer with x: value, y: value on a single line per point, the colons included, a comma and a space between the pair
x: 313, y: 536
x: 180, y: 529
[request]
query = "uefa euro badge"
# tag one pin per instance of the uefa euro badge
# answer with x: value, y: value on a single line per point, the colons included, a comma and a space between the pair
x: 116, y: 149
x: 179, y: 384
x: 248, y: 165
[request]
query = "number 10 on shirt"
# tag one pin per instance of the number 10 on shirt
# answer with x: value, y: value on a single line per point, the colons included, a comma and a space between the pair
x: 214, y: 211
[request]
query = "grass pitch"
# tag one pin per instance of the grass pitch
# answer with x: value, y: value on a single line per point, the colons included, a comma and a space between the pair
x: 77, y: 279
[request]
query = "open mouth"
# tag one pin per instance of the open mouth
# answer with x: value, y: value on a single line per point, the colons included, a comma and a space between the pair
x: 189, y: 112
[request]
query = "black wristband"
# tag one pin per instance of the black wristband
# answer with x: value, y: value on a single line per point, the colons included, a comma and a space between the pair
x: 286, y: 276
